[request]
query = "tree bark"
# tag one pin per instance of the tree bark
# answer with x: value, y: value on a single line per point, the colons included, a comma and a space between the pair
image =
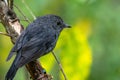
x: 14, y: 28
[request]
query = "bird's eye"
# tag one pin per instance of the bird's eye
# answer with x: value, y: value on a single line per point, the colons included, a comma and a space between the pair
x: 58, y: 23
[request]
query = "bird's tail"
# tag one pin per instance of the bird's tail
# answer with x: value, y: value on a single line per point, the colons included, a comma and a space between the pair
x: 13, y: 69
x: 11, y: 73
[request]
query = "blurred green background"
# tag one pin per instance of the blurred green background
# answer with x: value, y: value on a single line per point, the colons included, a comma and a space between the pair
x: 90, y: 50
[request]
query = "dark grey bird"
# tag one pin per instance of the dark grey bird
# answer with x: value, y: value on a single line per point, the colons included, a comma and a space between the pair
x: 38, y: 39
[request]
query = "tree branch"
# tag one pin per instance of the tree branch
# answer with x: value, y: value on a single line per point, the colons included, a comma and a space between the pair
x: 14, y: 28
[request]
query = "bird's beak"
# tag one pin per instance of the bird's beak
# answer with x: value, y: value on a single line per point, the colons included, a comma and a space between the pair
x: 67, y: 26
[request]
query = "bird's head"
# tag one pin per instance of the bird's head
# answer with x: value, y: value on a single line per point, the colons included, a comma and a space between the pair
x: 55, y: 22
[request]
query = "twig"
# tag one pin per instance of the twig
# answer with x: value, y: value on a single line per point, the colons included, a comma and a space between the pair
x: 4, y: 34
x: 60, y: 66
x: 10, y: 3
x: 29, y: 9
x: 26, y: 19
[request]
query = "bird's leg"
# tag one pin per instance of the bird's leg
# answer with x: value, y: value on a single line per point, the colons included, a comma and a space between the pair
x: 39, y: 73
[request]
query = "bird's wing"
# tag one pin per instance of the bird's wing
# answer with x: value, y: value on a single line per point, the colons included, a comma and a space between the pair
x: 17, y: 46
x: 36, y: 47
x: 23, y: 39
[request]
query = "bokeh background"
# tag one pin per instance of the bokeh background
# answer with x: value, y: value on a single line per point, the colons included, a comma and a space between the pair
x: 90, y: 50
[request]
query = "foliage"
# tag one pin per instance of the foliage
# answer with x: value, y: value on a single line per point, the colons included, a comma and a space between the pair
x: 88, y: 51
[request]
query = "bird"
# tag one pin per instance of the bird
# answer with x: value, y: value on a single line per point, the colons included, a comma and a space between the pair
x: 38, y: 39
